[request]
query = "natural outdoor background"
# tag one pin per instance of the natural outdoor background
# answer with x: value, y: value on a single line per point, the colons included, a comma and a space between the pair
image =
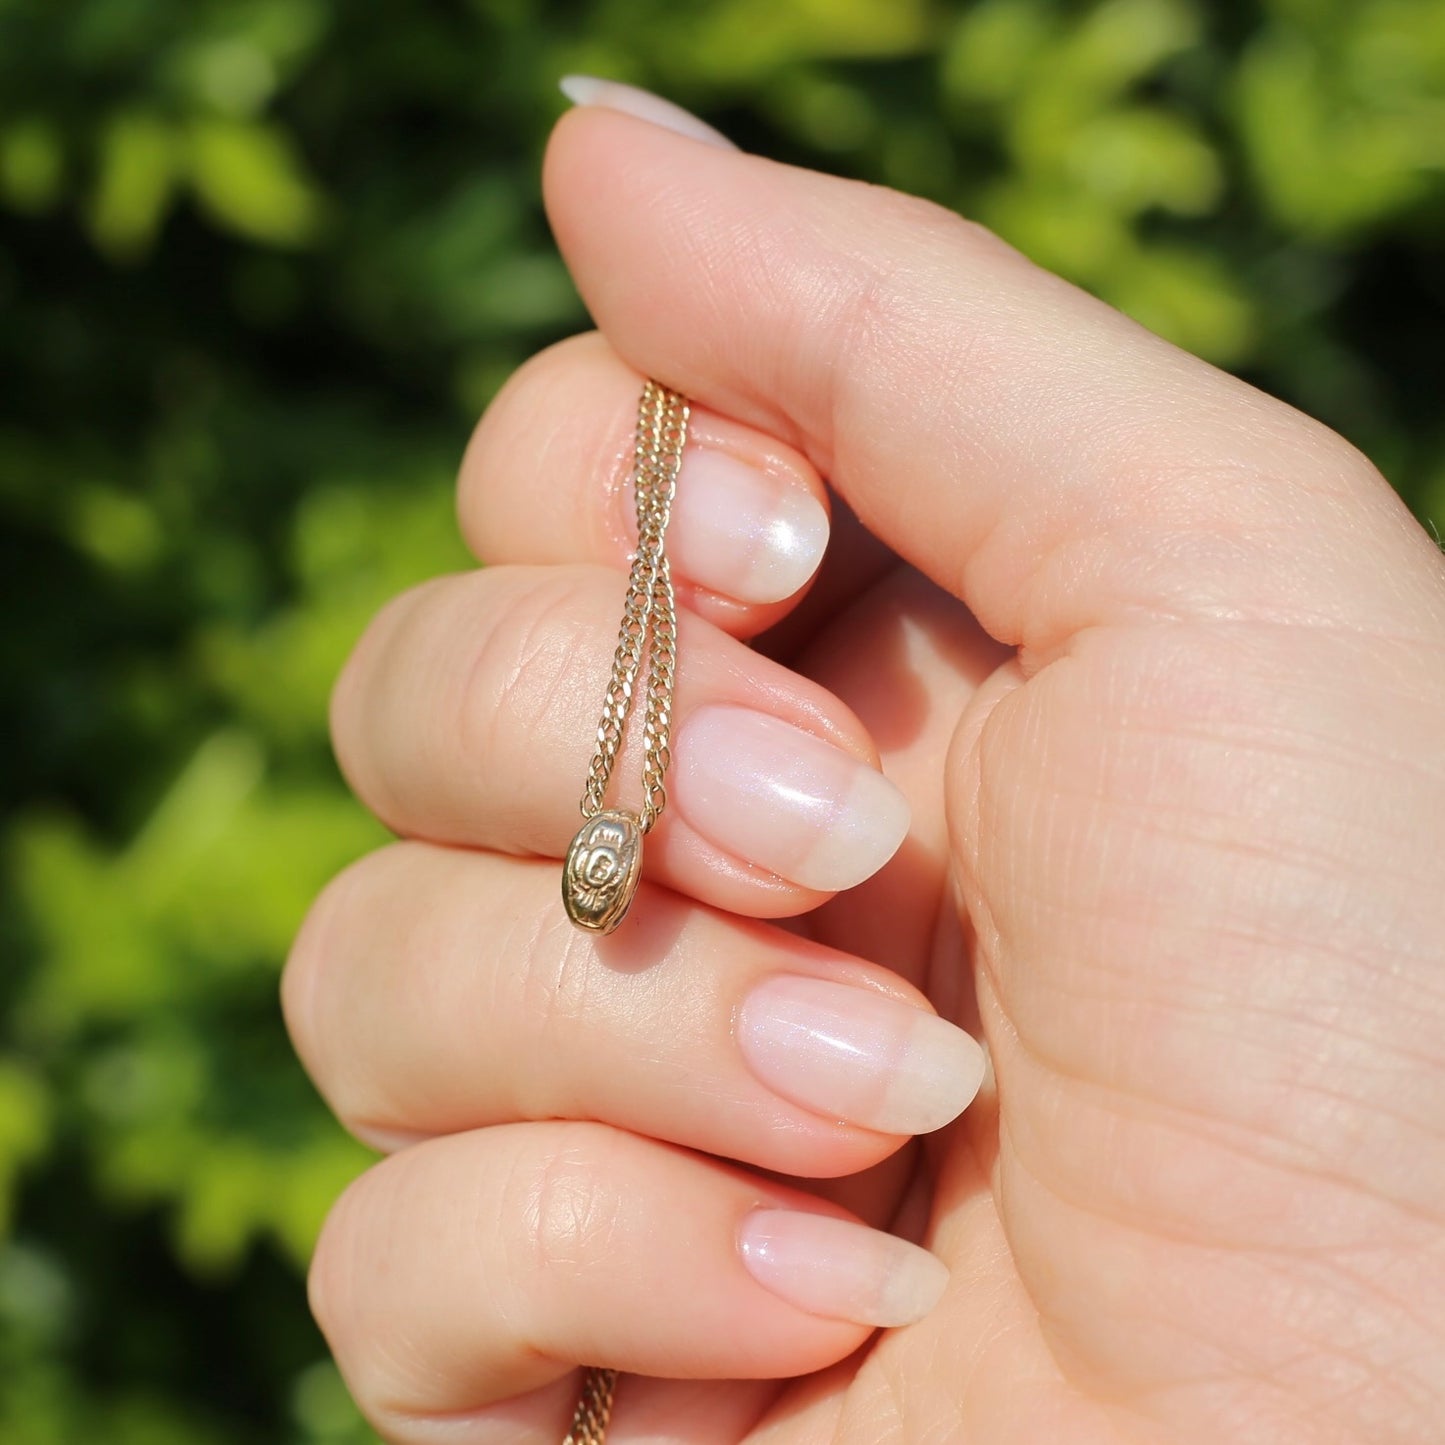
x: 262, y: 262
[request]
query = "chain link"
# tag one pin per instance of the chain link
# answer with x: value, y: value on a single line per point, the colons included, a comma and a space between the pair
x: 649, y: 612
x: 594, y: 1408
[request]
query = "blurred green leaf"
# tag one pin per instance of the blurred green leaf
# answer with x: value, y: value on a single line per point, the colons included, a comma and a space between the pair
x: 744, y: 38
x: 249, y: 177
x: 31, y: 165
x: 1134, y: 158
x: 136, y: 178
x: 995, y: 49
x: 25, y: 1128
x: 1345, y: 124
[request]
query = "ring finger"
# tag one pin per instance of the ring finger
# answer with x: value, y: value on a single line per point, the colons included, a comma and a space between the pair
x: 435, y: 990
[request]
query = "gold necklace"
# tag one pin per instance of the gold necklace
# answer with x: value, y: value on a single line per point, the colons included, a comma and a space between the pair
x: 604, y: 863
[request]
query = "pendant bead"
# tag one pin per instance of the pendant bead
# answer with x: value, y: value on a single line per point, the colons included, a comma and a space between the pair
x: 603, y: 868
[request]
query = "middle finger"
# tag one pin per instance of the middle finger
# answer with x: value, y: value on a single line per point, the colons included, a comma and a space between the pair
x: 468, y: 714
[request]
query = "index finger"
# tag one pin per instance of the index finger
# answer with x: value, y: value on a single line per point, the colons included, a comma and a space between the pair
x: 546, y: 479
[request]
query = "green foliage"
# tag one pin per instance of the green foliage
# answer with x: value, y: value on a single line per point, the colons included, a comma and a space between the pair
x: 261, y: 262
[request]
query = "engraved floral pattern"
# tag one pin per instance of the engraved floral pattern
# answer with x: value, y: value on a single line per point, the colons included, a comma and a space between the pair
x: 602, y: 869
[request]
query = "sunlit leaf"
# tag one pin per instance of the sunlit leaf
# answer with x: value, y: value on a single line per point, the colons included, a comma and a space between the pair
x: 136, y: 174
x: 250, y: 179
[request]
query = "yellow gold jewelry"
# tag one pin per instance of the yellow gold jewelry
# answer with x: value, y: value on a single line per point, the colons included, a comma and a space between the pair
x: 604, y: 862
x: 594, y: 1409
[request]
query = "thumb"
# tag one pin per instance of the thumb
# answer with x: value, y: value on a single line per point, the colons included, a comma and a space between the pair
x: 1029, y: 448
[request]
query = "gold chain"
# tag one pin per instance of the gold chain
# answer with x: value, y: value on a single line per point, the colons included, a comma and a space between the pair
x: 604, y: 862
x: 594, y: 1409
x: 649, y: 609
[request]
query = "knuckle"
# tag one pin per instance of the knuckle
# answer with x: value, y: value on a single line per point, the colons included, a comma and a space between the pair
x: 352, y: 1312
x: 1340, y: 461
x: 332, y: 1283
x: 569, y: 1213
x: 526, y: 404
x: 520, y: 673
x: 364, y: 699
x: 884, y: 313
x: 556, y: 984
x: 916, y: 217
x: 304, y: 978
x: 314, y: 996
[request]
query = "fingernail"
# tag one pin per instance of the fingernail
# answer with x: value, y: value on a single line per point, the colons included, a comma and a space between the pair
x: 771, y: 794
x: 614, y: 95
x: 737, y: 531
x: 857, y: 1055
x: 838, y: 1269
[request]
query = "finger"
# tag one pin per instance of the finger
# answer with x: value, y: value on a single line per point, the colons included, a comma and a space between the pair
x: 434, y: 990
x: 468, y: 714
x: 547, y: 479
x: 471, y: 1269
x: 1029, y: 448
x: 909, y: 659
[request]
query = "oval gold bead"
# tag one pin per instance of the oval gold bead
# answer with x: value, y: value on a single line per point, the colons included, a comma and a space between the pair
x: 603, y: 867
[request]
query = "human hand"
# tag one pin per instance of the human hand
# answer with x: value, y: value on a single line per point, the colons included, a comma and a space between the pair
x: 1181, y: 775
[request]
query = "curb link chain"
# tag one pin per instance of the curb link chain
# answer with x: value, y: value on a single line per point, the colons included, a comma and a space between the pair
x: 649, y: 615
x: 649, y: 626
x: 594, y: 1409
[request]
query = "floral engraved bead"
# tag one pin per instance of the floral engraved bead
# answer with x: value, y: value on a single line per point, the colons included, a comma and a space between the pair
x: 603, y: 866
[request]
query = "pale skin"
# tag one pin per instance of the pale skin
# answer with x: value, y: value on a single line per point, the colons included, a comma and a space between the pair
x: 1156, y: 662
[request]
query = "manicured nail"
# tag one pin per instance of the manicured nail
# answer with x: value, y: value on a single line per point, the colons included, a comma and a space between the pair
x: 737, y: 531
x: 838, y: 1269
x: 614, y: 95
x: 857, y: 1055
x: 773, y: 795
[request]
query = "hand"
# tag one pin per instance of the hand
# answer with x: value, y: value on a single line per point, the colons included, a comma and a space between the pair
x: 1177, y: 851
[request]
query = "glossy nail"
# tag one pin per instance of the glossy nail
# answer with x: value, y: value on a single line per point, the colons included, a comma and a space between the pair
x: 857, y: 1055
x: 779, y: 797
x: 838, y: 1269
x: 614, y: 95
x: 737, y: 531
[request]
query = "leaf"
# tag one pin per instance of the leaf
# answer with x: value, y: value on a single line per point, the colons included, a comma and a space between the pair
x: 1139, y: 158
x: 1330, y: 158
x: 32, y: 165
x: 248, y: 176
x: 136, y: 176
x: 25, y: 1124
